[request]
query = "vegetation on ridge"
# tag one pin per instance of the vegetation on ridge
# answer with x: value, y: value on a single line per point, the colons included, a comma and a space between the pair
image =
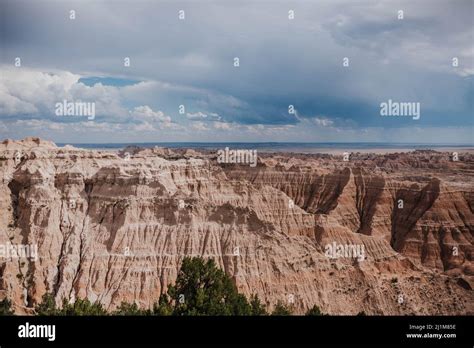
x: 201, y: 288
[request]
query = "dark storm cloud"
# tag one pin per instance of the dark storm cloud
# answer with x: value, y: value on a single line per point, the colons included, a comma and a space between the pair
x: 282, y: 62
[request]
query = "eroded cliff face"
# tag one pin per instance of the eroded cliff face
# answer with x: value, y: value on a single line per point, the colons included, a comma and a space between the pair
x: 113, y: 227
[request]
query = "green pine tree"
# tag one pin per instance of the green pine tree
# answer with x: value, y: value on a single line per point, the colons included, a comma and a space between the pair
x: 163, y: 306
x: 281, y: 309
x: 257, y: 307
x: 315, y: 310
x: 202, y: 288
x: 47, y: 305
x: 126, y: 308
x: 82, y: 307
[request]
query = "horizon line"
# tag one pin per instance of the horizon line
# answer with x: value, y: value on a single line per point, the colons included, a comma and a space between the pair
x: 261, y: 142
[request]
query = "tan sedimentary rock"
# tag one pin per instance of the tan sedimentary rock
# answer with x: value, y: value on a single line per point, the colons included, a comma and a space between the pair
x: 114, y: 227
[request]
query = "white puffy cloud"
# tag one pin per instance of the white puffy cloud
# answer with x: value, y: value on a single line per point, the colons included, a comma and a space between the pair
x: 224, y: 125
x: 40, y: 124
x: 30, y: 96
x: 145, y: 113
x: 144, y: 127
x: 203, y: 116
x: 199, y: 126
x: 26, y: 93
x: 11, y: 105
x: 323, y: 122
x: 196, y: 115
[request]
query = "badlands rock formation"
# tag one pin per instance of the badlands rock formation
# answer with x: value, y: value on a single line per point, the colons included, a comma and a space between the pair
x: 114, y: 226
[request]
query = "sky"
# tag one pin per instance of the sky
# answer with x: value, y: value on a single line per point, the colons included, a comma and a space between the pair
x: 404, y: 57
